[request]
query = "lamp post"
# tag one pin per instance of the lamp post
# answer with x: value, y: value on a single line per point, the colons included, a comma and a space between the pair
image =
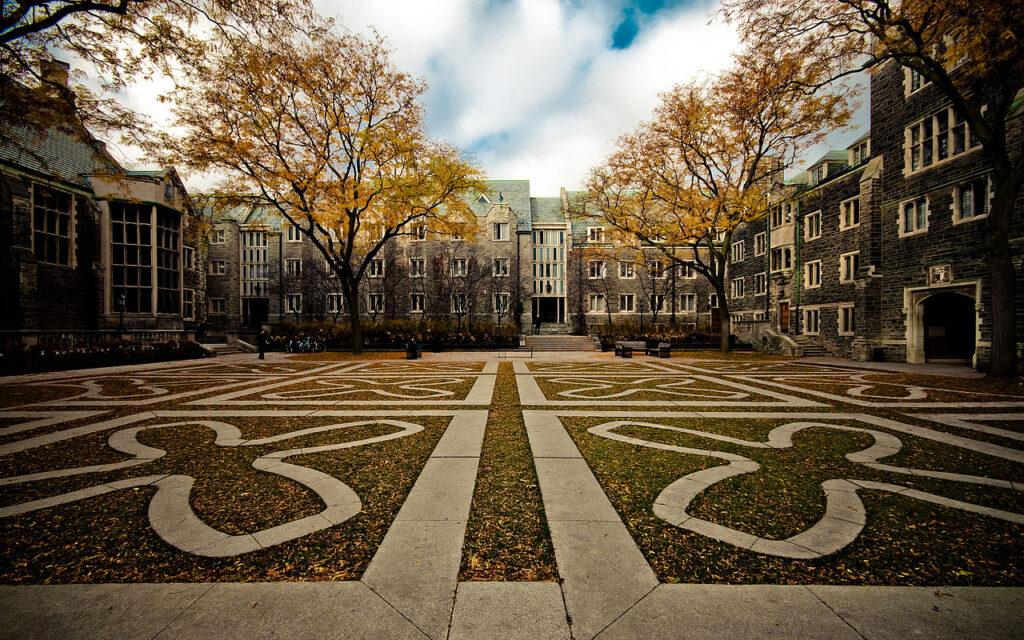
x: 121, y: 302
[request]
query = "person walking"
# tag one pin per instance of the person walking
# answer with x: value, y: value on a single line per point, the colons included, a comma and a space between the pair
x: 262, y: 338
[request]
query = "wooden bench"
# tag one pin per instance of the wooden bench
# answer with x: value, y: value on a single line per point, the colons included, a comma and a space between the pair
x: 663, y: 350
x: 625, y: 348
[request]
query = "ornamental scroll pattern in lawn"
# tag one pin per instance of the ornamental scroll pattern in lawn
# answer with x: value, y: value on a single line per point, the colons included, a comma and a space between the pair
x: 787, y: 472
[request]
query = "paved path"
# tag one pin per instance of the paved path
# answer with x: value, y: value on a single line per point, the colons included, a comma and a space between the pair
x: 606, y: 587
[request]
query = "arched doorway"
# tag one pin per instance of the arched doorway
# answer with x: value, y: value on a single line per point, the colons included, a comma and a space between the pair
x: 949, y: 321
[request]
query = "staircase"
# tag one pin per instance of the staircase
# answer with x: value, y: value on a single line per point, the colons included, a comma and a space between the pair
x: 810, y: 346
x: 560, y: 343
x: 220, y: 347
x: 553, y: 328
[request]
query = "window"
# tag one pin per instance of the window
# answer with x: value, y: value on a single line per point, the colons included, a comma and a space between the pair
x: 419, y: 232
x: 914, y: 217
x: 293, y: 268
x: 812, y: 226
x: 335, y: 302
x: 597, y: 303
x: 500, y: 267
x: 188, y: 257
x: 688, y: 302
x: 627, y: 270
x: 417, y: 267
x: 416, y: 303
x: 255, y: 265
x: 131, y: 240
x: 218, y: 306
x: 760, y: 284
x: 849, y: 265
x: 937, y: 138
x: 687, y: 270
x: 812, y: 274
x: 819, y: 173
x: 596, y: 269
x: 500, y: 230
x: 915, y: 81
x: 783, y: 214
x: 377, y: 268
x: 458, y: 266
x: 811, y: 317
x: 782, y: 259
x: 595, y: 234
x: 627, y: 303
x: 501, y: 302
x: 656, y: 269
x: 737, y: 251
x: 458, y: 303
x: 859, y: 153
x: 737, y: 287
x: 970, y: 200
x: 188, y: 304
x: 849, y: 213
x: 293, y: 303
x: 218, y: 267
x: 847, y: 321
x: 657, y: 302
x: 760, y: 244
x: 51, y: 225
x: 376, y: 302
x: 217, y: 236
x: 293, y: 234
x: 713, y: 300
x: 168, y: 261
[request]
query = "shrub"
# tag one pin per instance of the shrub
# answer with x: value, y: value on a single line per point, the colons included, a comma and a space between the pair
x: 17, y: 358
x: 395, y: 334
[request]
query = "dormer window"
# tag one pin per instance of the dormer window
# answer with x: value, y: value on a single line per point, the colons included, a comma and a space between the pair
x: 819, y: 173
x: 483, y: 199
x: 859, y: 153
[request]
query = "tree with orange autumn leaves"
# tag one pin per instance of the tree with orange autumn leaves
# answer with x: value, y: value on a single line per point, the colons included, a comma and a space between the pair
x: 710, y: 159
x: 322, y: 128
x: 113, y: 43
x: 971, y: 51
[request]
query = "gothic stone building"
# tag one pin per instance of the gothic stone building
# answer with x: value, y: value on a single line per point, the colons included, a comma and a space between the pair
x: 878, y: 251
x: 86, y: 244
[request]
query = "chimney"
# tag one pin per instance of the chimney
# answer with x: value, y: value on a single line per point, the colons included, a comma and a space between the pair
x: 55, y: 71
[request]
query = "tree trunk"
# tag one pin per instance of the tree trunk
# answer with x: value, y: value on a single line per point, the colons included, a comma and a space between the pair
x: 352, y: 299
x: 1003, y: 302
x: 724, y: 322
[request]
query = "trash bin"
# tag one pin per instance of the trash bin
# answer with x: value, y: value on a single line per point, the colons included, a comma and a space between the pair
x: 627, y: 352
x: 412, y: 351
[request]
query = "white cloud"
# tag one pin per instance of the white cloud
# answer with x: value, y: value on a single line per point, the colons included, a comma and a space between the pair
x: 531, y: 87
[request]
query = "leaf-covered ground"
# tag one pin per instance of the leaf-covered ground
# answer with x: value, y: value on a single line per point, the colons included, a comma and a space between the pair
x: 905, y: 541
x: 507, y: 536
x: 108, y: 538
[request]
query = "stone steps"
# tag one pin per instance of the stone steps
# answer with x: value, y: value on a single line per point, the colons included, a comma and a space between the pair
x: 560, y: 343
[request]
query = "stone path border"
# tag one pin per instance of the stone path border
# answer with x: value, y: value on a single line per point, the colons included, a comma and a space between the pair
x: 530, y: 394
x: 970, y: 422
x: 42, y: 419
x: 848, y: 399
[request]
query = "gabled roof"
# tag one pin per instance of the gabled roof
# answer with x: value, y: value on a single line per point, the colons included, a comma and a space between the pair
x: 60, y: 154
x: 546, y: 211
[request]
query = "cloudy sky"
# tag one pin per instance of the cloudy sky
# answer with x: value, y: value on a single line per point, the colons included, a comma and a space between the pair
x: 537, y: 89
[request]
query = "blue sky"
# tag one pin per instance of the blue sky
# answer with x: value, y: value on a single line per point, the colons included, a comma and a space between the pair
x: 539, y: 89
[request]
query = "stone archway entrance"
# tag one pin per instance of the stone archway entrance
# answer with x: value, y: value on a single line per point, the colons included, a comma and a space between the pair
x: 949, y: 327
x: 942, y: 324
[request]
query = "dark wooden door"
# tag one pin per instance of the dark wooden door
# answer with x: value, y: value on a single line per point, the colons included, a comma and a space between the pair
x: 784, y: 317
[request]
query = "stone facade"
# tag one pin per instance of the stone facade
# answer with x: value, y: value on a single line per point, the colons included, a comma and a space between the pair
x: 906, y: 281
x: 80, y: 234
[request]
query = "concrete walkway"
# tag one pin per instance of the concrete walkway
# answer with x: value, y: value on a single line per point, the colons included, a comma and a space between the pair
x: 948, y: 370
x: 488, y: 610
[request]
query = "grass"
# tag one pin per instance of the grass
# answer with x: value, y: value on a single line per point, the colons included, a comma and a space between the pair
x: 342, y: 356
x: 507, y: 535
x: 905, y: 541
x: 108, y: 538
